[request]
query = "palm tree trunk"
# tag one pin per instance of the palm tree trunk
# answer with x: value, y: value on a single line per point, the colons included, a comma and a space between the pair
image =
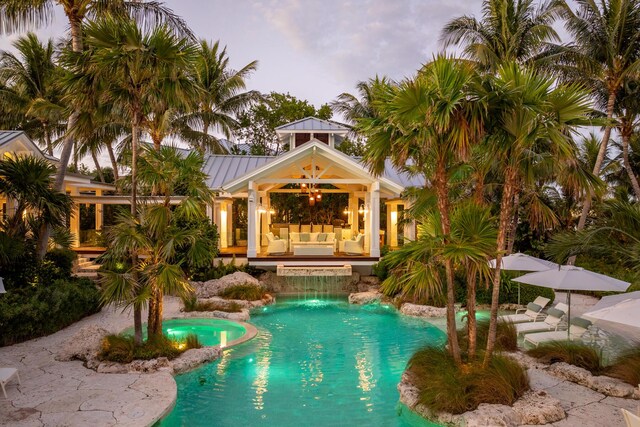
x: 75, y: 24
x: 472, y: 325
x: 443, y: 208
x: 506, y: 209
x: 626, y: 135
x: 137, y: 324
x: 97, y: 163
x: 75, y: 156
x: 152, y: 316
x: 205, y: 130
x: 114, y: 162
x: 47, y: 138
x: 135, y: 126
x: 513, y: 228
x: 586, y: 206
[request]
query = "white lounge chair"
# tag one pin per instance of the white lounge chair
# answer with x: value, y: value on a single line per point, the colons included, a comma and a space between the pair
x: 354, y: 247
x: 631, y: 419
x: 529, y: 314
x: 550, y: 323
x: 5, y: 376
x: 576, y: 330
x: 276, y: 245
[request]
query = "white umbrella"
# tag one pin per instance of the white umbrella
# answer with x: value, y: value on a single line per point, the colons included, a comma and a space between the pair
x: 523, y: 262
x: 623, y: 315
x: 571, y: 278
x: 611, y: 300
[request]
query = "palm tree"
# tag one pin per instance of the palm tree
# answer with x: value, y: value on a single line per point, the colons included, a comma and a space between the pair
x: 531, y: 121
x: 221, y: 97
x: 628, y: 112
x: 30, y: 91
x: 18, y: 15
x: 604, y: 54
x: 26, y: 182
x: 353, y: 107
x: 431, y: 121
x: 158, y: 235
x: 138, y: 69
x: 510, y: 30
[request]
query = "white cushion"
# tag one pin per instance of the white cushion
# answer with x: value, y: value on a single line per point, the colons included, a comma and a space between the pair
x: 313, y: 237
x: 295, y: 237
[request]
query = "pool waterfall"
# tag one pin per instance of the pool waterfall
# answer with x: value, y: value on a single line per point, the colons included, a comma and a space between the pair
x: 315, y: 283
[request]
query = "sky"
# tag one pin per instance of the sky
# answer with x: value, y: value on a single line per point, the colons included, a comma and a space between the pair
x: 315, y: 49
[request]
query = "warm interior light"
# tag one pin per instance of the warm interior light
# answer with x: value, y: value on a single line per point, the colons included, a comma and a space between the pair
x: 318, y: 196
x: 312, y: 200
x: 346, y: 211
x: 272, y: 211
x: 361, y: 209
x: 261, y: 209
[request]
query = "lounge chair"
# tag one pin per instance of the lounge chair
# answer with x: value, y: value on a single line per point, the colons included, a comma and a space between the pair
x: 529, y: 314
x: 354, y: 247
x: 276, y: 245
x: 578, y: 327
x: 5, y: 376
x: 631, y: 419
x: 550, y: 323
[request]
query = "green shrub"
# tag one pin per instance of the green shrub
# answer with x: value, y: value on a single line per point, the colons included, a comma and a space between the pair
x: 35, y: 311
x: 626, y: 367
x: 244, y: 292
x: 63, y: 260
x: 446, y: 387
x: 380, y: 270
x: 570, y: 352
x: 222, y: 269
x: 122, y: 348
x: 506, y: 336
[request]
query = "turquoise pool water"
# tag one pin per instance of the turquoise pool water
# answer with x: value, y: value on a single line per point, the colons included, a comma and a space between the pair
x: 315, y: 363
x: 209, y: 331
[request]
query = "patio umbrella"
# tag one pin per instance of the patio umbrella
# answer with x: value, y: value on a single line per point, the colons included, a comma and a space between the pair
x: 623, y: 315
x: 610, y: 300
x: 571, y: 278
x: 523, y: 262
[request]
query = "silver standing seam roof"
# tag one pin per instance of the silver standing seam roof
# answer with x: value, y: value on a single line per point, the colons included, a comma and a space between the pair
x: 7, y: 136
x: 223, y: 169
x: 312, y: 124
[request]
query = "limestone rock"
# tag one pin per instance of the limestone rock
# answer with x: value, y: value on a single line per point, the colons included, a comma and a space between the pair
x: 525, y: 360
x: 538, y: 408
x: 241, y: 316
x: 112, y: 368
x: 368, y: 283
x: 492, y: 415
x: 195, y: 357
x: 570, y: 372
x: 363, y: 298
x: 610, y: 386
x: 84, y: 345
x: 214, y: 287
x: 409, y: 393
x: 416, y: 310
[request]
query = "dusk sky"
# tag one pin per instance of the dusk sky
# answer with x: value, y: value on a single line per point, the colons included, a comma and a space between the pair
x: 315, y: 49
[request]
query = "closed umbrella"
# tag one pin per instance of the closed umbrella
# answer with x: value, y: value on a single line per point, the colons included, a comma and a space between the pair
x: 523, y: 262
x: 623, y: 315
x: 571, y: 278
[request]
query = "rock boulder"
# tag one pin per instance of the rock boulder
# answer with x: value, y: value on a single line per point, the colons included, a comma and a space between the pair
x: 84, y: 345
x: 215, y: 287
x: 195, y: 357
x: 537, y: 407
x: 416, y: 310
x: 363, y: 298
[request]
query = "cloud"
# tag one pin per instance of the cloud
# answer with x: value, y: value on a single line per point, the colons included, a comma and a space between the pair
x: 357, y: 39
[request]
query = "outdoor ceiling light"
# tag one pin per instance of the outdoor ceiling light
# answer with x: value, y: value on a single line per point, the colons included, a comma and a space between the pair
x: 361, y: 210
x: 318, y: 196
x: 312, y: 200
x: 261, y: 209
x: 272, y: 211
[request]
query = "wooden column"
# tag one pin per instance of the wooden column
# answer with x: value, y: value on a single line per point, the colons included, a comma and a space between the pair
x: 74, y: 222
x: 99, y: 212
x: 392, y: 223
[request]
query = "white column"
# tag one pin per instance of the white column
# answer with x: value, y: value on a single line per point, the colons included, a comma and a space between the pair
x: 264, y: 220
x: 353, y: 213
x: 409, y: 228
x: 74, y: 222
x: 392, y: 224
x: 252, y: 220
x: 374, y: 219
x: 99, y: 212
x: 222, y: 225
x: 367, y: 219
x: 214, y: 212
x: 230, y: 223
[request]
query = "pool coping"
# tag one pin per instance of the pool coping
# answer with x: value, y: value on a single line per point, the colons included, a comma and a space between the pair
x: 251, y: 332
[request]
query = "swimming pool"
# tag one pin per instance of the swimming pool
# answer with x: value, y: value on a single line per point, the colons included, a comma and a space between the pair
x: 320, y: 363
x: 210, y: 331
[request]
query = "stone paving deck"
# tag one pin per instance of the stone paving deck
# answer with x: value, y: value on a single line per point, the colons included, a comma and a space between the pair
x: 56, y: 393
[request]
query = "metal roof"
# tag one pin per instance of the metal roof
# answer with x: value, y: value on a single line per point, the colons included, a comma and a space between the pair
x: 313, y: 123
x: 7, y: 136
x: 225, y: 168
x: 222, y: 169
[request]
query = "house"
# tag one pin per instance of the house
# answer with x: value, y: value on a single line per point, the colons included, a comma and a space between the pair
x: 310, y: 205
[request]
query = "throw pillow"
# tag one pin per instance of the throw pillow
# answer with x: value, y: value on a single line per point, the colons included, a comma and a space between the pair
x: 322, y: 237
x: 304, y: 237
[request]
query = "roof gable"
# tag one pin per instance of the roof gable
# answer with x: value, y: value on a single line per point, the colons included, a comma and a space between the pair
x: 20, y: 141
x: 313, y: 124
x: 293, y: 158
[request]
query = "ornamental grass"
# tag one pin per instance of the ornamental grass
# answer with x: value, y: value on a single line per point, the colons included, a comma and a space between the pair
x: 447, y: 387
x: 570, y: 352
x: 123, y: 349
